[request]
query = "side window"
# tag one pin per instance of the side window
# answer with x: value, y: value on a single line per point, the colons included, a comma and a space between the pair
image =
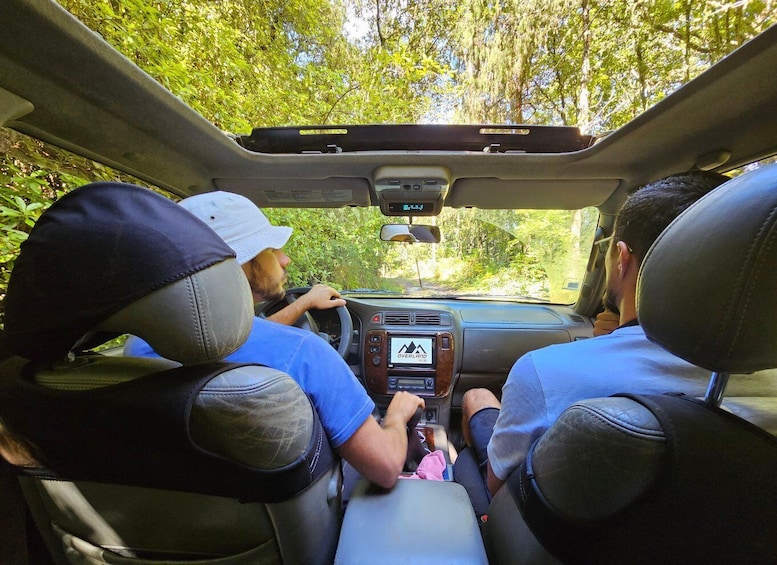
x: 33, y: 175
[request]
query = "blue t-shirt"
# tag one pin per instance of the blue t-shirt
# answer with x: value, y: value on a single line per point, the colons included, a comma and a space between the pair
x: 340, y: 400
x: 544, y: 382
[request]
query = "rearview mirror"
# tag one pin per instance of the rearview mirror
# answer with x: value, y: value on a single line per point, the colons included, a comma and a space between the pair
x: 410, y: 233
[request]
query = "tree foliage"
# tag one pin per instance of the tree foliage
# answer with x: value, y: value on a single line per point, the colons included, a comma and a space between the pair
x: 591, y: 63
x: 335, y: 246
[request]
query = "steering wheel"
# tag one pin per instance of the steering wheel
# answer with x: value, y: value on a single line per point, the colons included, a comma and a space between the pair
x: 341, y: 342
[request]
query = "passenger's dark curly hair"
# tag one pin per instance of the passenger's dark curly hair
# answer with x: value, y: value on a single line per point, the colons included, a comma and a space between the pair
x: 649, y: 210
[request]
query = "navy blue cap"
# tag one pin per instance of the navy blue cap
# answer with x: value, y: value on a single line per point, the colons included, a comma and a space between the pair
x: 93, y: 252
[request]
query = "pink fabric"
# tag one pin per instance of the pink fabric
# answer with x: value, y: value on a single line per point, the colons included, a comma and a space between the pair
x: 430, y: 468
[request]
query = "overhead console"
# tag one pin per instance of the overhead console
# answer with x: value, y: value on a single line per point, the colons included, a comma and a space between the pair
x: 414, y: 361
x: 411, y: 191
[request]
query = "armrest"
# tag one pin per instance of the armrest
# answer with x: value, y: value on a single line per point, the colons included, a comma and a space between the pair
x: 417, y: 521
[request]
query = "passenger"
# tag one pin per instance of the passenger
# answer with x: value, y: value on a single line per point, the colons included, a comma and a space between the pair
x: 377, y: 452
x: 544, y: 382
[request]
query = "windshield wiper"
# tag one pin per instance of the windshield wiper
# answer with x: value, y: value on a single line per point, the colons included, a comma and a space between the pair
x: 369, y: 291
x: 514, y: 297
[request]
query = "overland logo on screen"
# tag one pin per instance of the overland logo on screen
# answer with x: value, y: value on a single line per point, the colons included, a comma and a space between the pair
x: 412, y: 351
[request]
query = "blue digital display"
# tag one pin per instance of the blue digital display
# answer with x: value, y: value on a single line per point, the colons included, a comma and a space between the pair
x: 410, y: 207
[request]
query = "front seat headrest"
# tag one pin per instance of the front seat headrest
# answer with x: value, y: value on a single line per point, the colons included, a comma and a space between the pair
x: 707, y: 289
x: 105, y: 246
x: 202, y: 317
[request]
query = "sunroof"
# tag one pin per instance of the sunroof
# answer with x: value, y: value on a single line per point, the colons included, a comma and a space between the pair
x: 424, y: 137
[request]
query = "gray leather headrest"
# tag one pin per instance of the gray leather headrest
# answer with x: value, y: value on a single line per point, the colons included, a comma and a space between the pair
x: 707, y: 290
x: 202, y: 317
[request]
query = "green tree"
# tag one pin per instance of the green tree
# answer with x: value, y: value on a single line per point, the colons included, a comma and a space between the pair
x: 592, y: 63
x: 334, y: 246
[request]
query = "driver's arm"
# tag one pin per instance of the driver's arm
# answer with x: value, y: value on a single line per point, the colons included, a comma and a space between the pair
x: 378, y: 452
x: 320, y: 297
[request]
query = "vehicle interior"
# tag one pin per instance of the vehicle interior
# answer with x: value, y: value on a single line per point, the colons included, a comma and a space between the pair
x: 62, y: 84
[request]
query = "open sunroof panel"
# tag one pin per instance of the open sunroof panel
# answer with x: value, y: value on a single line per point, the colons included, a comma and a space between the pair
x: 426, y: 137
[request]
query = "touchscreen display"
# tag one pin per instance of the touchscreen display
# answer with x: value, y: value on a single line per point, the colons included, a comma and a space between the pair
x: 411, y: 350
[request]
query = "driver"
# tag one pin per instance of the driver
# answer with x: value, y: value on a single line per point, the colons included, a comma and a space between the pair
x: 376, y: 451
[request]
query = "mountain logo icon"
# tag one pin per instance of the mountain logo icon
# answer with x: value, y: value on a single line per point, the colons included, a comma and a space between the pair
x: 411, y: 348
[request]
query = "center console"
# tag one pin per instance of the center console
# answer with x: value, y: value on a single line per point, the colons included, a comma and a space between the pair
x: 418, y: 362
x: 414, y: 522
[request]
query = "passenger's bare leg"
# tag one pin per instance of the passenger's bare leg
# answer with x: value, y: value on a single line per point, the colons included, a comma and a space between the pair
x: 475, y: 399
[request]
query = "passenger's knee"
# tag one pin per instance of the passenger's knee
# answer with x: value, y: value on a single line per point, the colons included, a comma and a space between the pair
x: 478, y: 398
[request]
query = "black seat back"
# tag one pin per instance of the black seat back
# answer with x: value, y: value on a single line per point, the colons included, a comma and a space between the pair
x: 133, y: 460
x: 668, y: 479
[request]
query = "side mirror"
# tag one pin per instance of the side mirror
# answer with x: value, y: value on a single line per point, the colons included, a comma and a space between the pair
x: 410, y: 233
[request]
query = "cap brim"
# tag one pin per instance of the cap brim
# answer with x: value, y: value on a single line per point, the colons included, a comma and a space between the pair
x: 272, y: 237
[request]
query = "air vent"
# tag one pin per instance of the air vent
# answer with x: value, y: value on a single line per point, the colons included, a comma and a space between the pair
x: 427, y: 319
x: 398, y: 318
x: 578, y: 319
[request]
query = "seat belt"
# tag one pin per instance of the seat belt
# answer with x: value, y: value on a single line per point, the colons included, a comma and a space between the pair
x: 13, y: 518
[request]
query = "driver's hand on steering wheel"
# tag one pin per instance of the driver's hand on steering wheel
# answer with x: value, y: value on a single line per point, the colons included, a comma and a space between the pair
x: 321, y: 297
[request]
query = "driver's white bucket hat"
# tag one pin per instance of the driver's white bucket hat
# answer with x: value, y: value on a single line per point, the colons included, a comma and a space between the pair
x: 239, y: 223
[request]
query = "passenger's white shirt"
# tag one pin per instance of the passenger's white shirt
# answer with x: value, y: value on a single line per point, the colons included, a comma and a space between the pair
x: 546, y: 381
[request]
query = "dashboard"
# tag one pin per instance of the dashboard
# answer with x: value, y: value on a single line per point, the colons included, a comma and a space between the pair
x: 440, y: 348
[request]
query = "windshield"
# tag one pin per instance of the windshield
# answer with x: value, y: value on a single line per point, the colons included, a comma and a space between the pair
x: 525, y: 255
